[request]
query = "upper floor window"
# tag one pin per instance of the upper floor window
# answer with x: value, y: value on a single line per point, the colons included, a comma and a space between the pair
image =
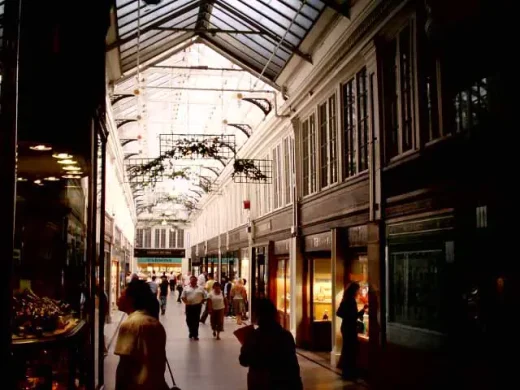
x: 355, y: 124
x: 399, y: 93
x: 309, y: 144
x: 147, y: 238
x: 328, y: 142
x: 139, y: 238
x: 180, y: 238
x: 277, y: 177
x: 470, y: 105
x: 173, y: 238
x: 288, y: 151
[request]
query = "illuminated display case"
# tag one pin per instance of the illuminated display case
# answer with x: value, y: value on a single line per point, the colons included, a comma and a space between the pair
x: 283, y: 288
x: 321, y: 300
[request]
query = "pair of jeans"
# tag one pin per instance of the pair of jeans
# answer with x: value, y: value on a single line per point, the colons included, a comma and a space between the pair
x: 192, y: 319
x: 162, y: 298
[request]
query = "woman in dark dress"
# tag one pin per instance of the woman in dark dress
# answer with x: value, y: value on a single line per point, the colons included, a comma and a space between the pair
x: 349, y: 314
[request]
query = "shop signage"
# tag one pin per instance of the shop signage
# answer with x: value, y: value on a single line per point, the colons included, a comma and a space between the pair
x: 358, y: 236
x: 282, y: 247
x: 159, y: 260
x: 431, y: 225
x: 264, y: 227
x: 212, y: 245
x: 318, y: 242
x: 162, y: 253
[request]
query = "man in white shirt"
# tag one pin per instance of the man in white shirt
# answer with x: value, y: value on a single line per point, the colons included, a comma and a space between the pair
x: 193, y: 296
x: 203, y: 278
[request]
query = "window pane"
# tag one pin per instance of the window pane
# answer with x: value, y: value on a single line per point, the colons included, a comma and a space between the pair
x: 305, y: 157
x: 313, y: 153
x: 287, y: 171
x: 362, y: 100
x: 173, y: 239
x: 323, y: 145
x: 322, y: 290
x: 275, y: 178
x: 148, y: 238
x: 163, y: 238
x: 180, y: 238
x: 349, y: 128
x: 157, y: 239
x: 406, y: 88
x: 416, y: 290
x: 391, y: 120
x: 332, y: 152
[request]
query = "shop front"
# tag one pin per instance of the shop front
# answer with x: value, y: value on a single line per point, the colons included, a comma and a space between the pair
x: 238, y: 255
x: 282, y: 293
x: 212, y: 254
x: 156, y: 261
x: 318, y: 292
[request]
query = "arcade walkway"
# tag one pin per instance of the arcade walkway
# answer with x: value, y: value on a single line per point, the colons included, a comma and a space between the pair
x: 213, y: 365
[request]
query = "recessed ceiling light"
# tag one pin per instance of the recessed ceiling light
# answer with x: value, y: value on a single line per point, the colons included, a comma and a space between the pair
x: 67, y: 162
x: 40, y: 148
x: 71, y: 177
x: 62, y: 155
x: 51, y: 178
x: 71, y: 168
x: 21, y: 179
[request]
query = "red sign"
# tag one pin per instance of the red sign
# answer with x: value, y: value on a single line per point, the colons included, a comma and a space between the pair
x: 247, y: 204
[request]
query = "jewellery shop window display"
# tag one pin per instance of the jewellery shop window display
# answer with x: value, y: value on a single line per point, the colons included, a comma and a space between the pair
x: 50, y: 288
x: 321, y: 299
x: 283, y: 288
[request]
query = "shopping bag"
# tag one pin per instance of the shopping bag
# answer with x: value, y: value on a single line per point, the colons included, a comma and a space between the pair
x: 244, y: 332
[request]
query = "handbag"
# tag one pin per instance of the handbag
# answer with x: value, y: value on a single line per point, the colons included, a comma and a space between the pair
x: 174, y: 387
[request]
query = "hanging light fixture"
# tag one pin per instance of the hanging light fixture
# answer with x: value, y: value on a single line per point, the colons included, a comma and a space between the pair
x: 164, y: 223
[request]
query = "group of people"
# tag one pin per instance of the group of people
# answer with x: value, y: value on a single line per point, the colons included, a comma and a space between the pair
x: 269, y: 351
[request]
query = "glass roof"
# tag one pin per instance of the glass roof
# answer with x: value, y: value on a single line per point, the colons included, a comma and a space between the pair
x: 194, y: 91
x: 261, y: 35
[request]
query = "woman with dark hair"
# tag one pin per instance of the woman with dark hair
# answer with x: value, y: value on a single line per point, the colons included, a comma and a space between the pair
x: 270, y: 353
x: 141, y: 341
x: 349, y: 314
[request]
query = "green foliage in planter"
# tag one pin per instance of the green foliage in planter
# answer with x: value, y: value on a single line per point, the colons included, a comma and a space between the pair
x: 248, y: 169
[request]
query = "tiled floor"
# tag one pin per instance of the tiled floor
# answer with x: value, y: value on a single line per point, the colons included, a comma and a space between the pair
x: 213, y: 365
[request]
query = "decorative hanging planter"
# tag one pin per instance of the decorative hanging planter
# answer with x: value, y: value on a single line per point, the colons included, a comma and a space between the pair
x: 252, y: 171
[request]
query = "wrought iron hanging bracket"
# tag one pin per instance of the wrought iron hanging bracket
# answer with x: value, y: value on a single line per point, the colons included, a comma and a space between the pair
x: 121, y: 122
x: 262, y: 103
x: 119, y: 97
x: 243, y: 127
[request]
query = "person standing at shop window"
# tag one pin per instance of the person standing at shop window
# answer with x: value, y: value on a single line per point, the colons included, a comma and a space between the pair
x: 141, y: 341
x: 348, y: 312
x: 193, y: 296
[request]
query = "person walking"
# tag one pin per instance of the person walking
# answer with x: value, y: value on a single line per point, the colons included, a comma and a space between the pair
x: 239, y: 297
x: 193, y: 296
x: 180, y: 287
x: 209, y: 289
x: 217, y: 306
x: 163, y: 293
x: 348, y: 312
x: 172, y: 282
x: 270, y: 353
x: 141, y: 341
x: 153, y: 285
